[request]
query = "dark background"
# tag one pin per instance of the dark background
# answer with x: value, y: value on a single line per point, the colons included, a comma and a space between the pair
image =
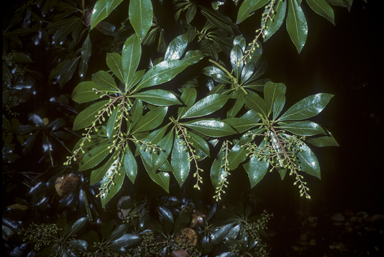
x: 345, y: 60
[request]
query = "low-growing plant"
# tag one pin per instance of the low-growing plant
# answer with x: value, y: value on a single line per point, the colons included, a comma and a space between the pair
x: 175, y: 228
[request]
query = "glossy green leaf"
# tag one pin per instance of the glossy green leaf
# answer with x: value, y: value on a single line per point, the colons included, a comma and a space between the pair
x: 307, y: 108
x: 248, y: 7
x: 308, y: 162
x: 241, y: 125
x: 56, y: 71
x: 240, y: 41
x: 115, y: 64
x: 89, y: 145
x: 220, y: 233
x: 322, y: 8
x: 323, y: 141
x: 256, y: 169
x: 108, y: 29
x: 99, y: 12
x: 47, y: 146
x: 28, y: 144
x: 150, y: 156
x: 236, y: 58
x: 219, y: 89
x: 101, y: 131
x: 180, y: 160
x: 193, y: 56
x: 111, y: 5
x: 201, y: 155
x: 256, y: 53
x: 165, y: 144
x: 219, y: 20
x: 205, y: 106
x: 303, y: 128
x: 176, y: 48
x: 83, y: 68
x: 271, y: 92
x: 277, y: 147
x: 161, y: 178
x: 86, y: 50
x: 63, y: 27
x: 191, y: 12
x: 125, y: 241
x: 306, y: 159
x: 135, y: 112
x: 25, y: 129
x: 137, y: 77
x: 218, y: 172
x: 239, y: 46
x: 76, y: 32
x: 156, y: 136
x: 217, y: 74
x: 80, y: 245
x: 130, y: 58
x: 21, y: 57
x: 56, y: 124
x: 141, y: 16
x: 256, y: 103
x: 118, y: 232
x: 150, y: 120
x: 348, y: 3
x: 252, y: 71
x: 211, y: 128
x: 87, y: 116
x: 257, y: 85
x: 146, y: 155
x: 181, y: 221
x: 251, y: 115
x: 198, y: 143
x: 277, y: 20
x: 104, y: 79
x: 165, y: 213
x: 233, y: 233
x: 84, y: 92
x: 236, y: 156
x: 246, y: 137
x: 282, y: 172
x: 62, y: 135
x: 77, y: 226
x: 278, y: 106
x: 188, y: 97
x: 239, y: 103
x: 158, y: 97
x: 130, y: 165
x: 67, y: 71
x: 113, y: 182
x: 296, y: 25
x: 166, y: 166
x: 93, y: 157
x: 112, y: 122
x: 341, y: 3
x: 163, y: 72
x: 36, y: 119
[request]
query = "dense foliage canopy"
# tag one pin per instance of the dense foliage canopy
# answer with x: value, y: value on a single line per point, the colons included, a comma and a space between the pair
x: 153, y: 95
